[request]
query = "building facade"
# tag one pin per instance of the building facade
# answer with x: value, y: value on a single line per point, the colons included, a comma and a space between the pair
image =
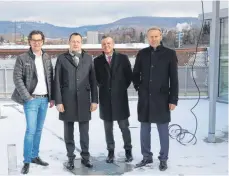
x: 223, y: 53
x: 92, y: 37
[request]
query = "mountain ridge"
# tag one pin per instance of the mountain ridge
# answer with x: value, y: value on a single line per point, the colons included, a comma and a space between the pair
x: 53, y: 31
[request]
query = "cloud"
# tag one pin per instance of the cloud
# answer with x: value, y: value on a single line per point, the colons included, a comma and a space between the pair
x: 78, y: 13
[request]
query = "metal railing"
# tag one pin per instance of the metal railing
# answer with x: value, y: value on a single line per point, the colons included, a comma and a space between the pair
x: 186, y: 57
x: 186, y: 84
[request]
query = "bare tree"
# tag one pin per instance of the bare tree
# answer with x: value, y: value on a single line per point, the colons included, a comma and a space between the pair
x: 142, y: 37
x: 169, y: 39
x: 1, y: 39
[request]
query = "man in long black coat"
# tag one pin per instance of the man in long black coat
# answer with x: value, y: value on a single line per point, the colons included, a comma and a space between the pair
x: 155, y: 78
x: 76, y: 96
x: 114, y: 75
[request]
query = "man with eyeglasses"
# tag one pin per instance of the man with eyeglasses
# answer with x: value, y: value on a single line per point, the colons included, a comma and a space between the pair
x: 33, y: 79
x: 76, y: 96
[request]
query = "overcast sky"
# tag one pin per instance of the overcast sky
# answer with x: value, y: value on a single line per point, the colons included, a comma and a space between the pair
x: 70, y: 13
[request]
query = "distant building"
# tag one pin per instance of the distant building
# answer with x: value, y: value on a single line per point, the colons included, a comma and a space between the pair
x: 92, y: 37
x: 100, y: 36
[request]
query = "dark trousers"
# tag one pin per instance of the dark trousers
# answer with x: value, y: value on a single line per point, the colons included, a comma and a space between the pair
x: 124, y: 127
x: 84, y: 139
x: 146, y: 140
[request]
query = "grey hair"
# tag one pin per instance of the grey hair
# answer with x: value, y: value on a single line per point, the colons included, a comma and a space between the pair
x: 107, y: 36
x: 154, y: 28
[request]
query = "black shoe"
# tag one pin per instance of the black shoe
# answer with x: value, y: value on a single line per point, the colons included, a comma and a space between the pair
x: 38, y: 161
x: 144, y: 162
x: 25, y: 168
x: 86, y: 163
x: 163, y: 165
x: 129, y: 156
x: 70, y: 163
x: 110, y: 157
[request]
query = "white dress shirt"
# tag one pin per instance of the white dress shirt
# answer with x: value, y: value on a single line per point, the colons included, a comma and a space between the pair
x: 108, y: 56
x: 41, y: 87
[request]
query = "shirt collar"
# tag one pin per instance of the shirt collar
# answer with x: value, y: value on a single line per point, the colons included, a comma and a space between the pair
x: 70, y: 52
x: 37, y: 55
x: 109, y: 55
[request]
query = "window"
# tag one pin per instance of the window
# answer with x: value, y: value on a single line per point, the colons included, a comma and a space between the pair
x: 223, y: 63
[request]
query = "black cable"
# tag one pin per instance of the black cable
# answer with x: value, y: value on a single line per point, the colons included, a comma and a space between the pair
x: 179, y: 133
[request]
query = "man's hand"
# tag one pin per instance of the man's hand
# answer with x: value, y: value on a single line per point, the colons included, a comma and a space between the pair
x: 51, y: 104
x: 93, y: 107
x: 172, y: 107
x: 60, y: 107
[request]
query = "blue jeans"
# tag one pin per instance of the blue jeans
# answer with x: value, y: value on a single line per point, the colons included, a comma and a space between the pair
x: 35, y: 113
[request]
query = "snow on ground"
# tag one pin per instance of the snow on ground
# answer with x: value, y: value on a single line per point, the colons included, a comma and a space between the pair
x: 202, y: 158
x: 12, y: 131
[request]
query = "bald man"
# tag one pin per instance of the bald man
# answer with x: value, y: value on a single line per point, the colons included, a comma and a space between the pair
x: 114, y: 75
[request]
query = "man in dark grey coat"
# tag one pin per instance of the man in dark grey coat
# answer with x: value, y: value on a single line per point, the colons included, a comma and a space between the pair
x: 114, y: 75
x: 76, y: 96
x: 33, y: 79
x: 155, y: 78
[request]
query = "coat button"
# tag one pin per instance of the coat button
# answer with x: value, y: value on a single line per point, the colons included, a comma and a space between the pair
x: 152, y: 66
x: 150, y: 80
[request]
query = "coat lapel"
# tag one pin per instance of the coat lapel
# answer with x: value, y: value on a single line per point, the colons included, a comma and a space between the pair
x: 69, y: 58
x: 114, y: 63
x: 111, y: 69
x: 32, y: 61
x: 81, y: 62
x: 34, y: 67
x: 106, y: 65
x: 156, y: 55
x: 45, y: 60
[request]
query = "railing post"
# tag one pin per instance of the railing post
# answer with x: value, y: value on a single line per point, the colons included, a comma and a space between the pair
x: 5, y: 82
x: 214, y: 69
x: 12, y: 159
x: 186, y: 80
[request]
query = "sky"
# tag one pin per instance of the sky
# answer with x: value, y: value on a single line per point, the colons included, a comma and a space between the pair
x: 79, y: 13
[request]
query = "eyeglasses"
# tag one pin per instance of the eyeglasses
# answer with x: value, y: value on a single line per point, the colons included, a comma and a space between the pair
x: 73, y: 41
x: 38, y: 41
